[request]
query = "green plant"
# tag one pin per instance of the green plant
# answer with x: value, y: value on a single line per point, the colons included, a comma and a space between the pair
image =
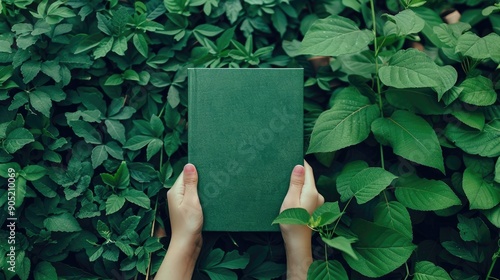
x: 93, y: 122
x: 429, y: 121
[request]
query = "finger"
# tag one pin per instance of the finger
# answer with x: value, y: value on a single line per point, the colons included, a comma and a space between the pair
x: 296, y: 184
x: 321, y: 200
x: 176, y: 192
x: 309, y: 184
x: 190, y: 180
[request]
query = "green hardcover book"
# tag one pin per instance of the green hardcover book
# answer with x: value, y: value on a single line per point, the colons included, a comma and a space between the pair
x: 245, y: 135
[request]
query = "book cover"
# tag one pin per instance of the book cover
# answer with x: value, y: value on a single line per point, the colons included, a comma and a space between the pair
x: 245, y: 135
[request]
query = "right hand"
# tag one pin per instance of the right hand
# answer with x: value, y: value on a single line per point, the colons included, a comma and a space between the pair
x: 301, y: 193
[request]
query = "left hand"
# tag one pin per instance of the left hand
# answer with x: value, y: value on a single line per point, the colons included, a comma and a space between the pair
x: 186, y: 215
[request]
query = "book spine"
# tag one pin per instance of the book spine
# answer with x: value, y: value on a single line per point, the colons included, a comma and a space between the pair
x: 191, y: 100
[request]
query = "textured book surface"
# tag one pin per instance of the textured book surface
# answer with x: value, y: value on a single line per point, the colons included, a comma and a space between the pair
x: 245, y: 129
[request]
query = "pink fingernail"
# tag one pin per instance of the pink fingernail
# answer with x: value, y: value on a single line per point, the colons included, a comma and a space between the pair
x: 298, y: 170
x: 189, y: 168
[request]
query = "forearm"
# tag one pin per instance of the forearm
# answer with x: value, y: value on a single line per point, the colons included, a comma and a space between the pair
x: 180, y: 260
x: 298, y: 260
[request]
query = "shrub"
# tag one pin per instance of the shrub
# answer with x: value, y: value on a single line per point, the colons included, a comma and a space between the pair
x: 406, y: 143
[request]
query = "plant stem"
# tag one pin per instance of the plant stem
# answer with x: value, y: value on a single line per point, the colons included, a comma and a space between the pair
x: 407, y: 271
x: 494, y: 260
x: 152, y: 234
x: 379, y: 91
x: 338, y: 220
x: 326, y: 253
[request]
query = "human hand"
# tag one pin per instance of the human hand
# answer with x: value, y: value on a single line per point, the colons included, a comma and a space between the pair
x: 184, y: 208
x: 301, y: 193
x: 186, y: 221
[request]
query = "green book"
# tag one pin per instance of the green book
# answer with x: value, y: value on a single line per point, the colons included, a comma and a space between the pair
x: 245, y: 135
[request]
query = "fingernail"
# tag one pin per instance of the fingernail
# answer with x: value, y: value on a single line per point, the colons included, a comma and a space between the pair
x: 189, y: 168
x: 298, y: 170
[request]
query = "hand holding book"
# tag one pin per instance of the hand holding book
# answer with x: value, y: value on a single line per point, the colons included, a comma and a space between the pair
x: 186, y: 218
x: 301, y: 193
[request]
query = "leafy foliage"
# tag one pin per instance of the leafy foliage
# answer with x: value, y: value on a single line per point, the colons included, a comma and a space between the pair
x: 405, y: 143
x: 397, y: 115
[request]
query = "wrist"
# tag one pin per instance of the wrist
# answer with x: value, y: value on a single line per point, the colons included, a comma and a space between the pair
x: 189, y: 245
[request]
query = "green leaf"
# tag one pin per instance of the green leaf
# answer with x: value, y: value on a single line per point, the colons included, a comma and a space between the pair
x: 449, y: 33
x: 342, y: 244
x: 120, y: 180
x: 233, y: 260
x: 232, y: 8
x: 473, y: 229
x: 99, y: 155
x: 157, y: 125
x: 480, y: 165
x: 52, y: 69
x: 425, y: 195
x: 30, y: 69
x: 293, y: 216
x: 485, y: 143
x: 362, y: 64
x: 345, y: 177
x: 497, y: 171
x: 334, y: 36
x: 329, y: 212
x: 426, y: 270
x: 44, y: 271
x: 114, y: 203
x: 447, y: 78
x: 480, y: 193
x: 41, y: 102
x: 414, y: 69
x: 86, y: 131
x: 469, y: 44
x: 467, y: 251
x: 17, y: 139
x: 380, y: 250
x: 395, y: 216
x: 5, y: 169
x: 131, y: 75
x: 96, y: 254
x: 125, y: 248
x: 153, y: 148
x: 478, y: 91
x: 327, y: 207
x: 129, y: 224
x: 411, y: 137
x: 33, y: 172
x: 347, y: 123
x: 493, y: 215
x: 116, y: 130
x: 474, y: 119
x: 140, y: 44
x: 114, y: 80
x: 418, y: 101
x: 368, y: 183
x: 88, y: 42
x: 172, y: 142
x: 138, y: 142
x: 64, y: 222
x: 177, y: 6
x: 137, y: 197
x: 431, y: 19
x: 327, y: 270
x: 104, y: 47
x: 407, y: 22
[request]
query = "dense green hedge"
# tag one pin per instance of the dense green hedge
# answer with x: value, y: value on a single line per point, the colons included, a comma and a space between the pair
x: 93, y: 132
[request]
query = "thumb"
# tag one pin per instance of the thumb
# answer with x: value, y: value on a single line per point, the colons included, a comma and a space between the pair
x: 296, y: 183
x: 190, y: 180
